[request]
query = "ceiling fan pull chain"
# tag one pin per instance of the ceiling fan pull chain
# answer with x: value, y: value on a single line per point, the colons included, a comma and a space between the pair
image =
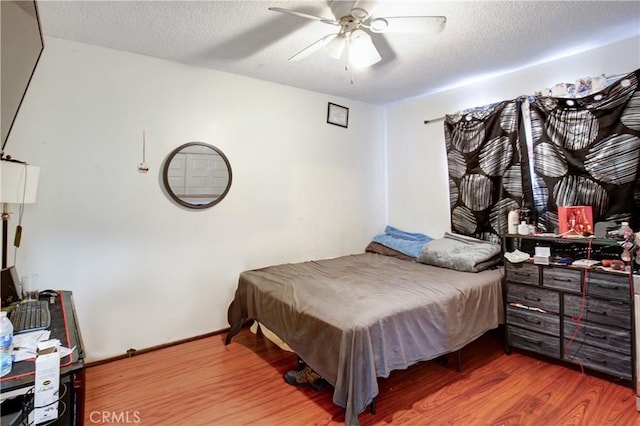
x: 347, y: 58
x: 347, y: 53
x: 349, y: 65
x: 350, y: 70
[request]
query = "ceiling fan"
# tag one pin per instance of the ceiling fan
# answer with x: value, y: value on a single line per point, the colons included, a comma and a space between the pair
x: 355, y: 20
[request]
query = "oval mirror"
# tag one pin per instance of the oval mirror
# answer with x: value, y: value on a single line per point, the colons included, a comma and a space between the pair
x: 197, y: 175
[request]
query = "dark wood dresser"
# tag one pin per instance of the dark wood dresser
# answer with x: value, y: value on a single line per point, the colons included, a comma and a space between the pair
x: 579, y: 315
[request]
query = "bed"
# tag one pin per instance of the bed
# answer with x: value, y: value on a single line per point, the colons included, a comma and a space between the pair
x: 358, y: 317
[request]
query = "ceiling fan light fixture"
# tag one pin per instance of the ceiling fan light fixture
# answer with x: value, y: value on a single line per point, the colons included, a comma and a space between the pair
x: 362, y: 52
x: 335, y: 48
x: 378, y: 25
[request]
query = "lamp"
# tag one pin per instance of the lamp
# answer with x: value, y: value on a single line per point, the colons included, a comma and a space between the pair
x: 336, y: 46
x: 362, y: 52
x: 18, y: 185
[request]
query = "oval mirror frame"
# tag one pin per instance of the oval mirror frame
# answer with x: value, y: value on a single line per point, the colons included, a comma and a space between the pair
x: 174, y: 173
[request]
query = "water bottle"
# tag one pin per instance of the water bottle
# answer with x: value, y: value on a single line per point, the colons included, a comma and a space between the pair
x: 6, y: 344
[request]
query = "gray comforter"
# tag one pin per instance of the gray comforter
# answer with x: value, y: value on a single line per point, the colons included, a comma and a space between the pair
x: 359, y: 317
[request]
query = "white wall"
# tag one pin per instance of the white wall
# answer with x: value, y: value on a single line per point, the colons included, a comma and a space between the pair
x: 418, y: 181
x: 143, y: 270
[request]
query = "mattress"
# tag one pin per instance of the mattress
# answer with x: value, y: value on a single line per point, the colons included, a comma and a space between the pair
x: 358, y: 317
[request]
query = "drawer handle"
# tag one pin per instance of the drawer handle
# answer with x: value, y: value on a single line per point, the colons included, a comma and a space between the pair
x: 533, y: 321
x: 535, y: 342
x: 533, y: 299
x: 599, y: 361
x: 603, y: 313
x: 596, y: 336
x: 564, y: 280
x: 608, y: 287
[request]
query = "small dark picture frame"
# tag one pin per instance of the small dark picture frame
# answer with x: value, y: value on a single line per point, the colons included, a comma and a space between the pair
x: 338, y: 115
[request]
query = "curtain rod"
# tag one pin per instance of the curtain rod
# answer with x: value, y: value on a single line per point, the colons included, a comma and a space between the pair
x: 433, y: 119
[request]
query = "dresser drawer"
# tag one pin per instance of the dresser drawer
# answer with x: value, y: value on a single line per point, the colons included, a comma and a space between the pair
x: 534, y: 297
x: 532, y: 341
x: 562, y: 279
x: 610, y: 312
x: 609, y: 286
x: 536, y: 321
x: 599, y: 359
x: 525, y: 273
x: 609, y: 338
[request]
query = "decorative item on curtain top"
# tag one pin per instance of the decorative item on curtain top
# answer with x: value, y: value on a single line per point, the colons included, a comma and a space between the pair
x: 586, y: 151
x: 582, y: 87
x: 485, y: 173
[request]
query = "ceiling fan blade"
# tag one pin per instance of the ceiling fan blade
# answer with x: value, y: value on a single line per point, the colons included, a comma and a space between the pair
x: 305, y: 15
x: 312, y: 48
x: 408, y: 24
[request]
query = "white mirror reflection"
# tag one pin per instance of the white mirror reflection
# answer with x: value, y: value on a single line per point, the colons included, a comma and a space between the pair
x: 197, y: 175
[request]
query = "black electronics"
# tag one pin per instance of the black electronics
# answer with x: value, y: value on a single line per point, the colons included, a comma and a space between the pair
x: 571, y: 250
x: 10, y: 282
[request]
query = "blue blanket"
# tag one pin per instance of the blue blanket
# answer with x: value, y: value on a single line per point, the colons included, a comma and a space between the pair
x: 409, y: 243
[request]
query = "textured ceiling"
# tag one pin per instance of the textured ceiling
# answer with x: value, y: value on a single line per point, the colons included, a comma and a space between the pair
x: 244, y: 37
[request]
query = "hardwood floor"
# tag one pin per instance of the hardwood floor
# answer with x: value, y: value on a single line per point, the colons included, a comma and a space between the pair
x: 205, y: 382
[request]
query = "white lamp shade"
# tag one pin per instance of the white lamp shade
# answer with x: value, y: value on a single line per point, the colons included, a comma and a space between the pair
x: 19, y: 182
x: 362, y: 53
x: 336, y: 46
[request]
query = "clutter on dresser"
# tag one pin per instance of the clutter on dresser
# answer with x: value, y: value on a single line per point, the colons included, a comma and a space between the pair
x: 542, y: 255
x: 575, y: 221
